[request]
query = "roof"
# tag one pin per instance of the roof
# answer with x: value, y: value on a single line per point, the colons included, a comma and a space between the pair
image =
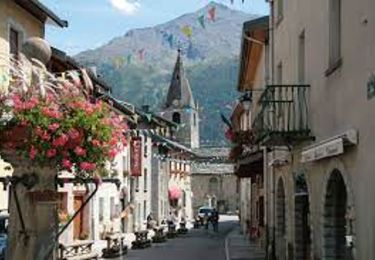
x: 152, y: 117
x: 179, y: 88
x: 212, y: 154
x: 171, y: 144
x: 212, y: 168
x: 255, y: 34
x: 61, y: 62
x: 41, y: 12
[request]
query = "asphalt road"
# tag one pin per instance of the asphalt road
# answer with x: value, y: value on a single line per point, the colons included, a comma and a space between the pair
x: 198, y: 244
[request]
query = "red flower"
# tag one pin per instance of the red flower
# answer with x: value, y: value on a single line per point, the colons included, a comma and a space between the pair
x: 51, y: 112
x: 86, y: 166
x: 67, y: 164
x: 33, y: 152
x: 73, y: 134
x: 51, y: 153
x: 60, y: 141
x: 53, y: 127
x: 95, y: 143
x: 80, y: 151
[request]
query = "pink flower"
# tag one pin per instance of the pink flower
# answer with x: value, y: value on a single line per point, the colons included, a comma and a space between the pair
x: 67, y: 164
x: 60, y: 141
x: 33, y: 152
x: 51, y: 153
x: 46, y: 136
x: 73, y: 134
x: 95, y: 143
x: 53, y: 127
x: 112, y: 153
x: 51, y: 112
x: 86, y: 166
x: 80, y: 151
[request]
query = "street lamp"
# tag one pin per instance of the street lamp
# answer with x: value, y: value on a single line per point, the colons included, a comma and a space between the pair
x: 246, y: 100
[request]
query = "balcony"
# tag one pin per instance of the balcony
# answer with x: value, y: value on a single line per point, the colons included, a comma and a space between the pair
x: 283, y: 116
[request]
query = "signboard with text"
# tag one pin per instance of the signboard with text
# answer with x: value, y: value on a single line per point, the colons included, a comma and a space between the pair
x: 136, y: 157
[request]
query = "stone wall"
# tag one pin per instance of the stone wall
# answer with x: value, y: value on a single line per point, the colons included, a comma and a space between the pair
x: 226, y: 192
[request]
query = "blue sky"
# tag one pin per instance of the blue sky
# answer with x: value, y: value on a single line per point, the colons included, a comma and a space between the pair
x: 94, y: 22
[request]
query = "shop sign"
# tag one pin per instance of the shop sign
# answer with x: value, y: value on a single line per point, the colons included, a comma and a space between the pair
x: 136, y: 157
x: 324, y: 150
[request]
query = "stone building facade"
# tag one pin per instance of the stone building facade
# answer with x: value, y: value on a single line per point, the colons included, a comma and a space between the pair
x: 214, y: 185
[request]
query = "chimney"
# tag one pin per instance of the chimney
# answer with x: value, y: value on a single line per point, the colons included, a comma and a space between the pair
x: 93, y: 70
x: 146, y: 108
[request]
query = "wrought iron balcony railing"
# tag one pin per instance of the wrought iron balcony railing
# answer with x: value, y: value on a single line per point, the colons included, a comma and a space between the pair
x: 283, y: 118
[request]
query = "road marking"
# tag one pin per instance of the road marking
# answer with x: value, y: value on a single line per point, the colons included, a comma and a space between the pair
x: 227, y: 255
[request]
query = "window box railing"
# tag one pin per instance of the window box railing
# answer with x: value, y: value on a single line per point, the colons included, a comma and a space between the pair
x: 283, y: 118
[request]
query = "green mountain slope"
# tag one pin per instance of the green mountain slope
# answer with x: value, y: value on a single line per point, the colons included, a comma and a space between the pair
x: 210, y: 58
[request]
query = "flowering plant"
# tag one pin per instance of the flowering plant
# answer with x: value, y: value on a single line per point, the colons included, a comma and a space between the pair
x: 60, y: 125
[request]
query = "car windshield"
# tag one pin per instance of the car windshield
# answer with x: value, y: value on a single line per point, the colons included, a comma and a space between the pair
x: 206, y: 210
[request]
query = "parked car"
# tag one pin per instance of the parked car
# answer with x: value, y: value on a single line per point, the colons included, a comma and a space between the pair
x: 4, y: 218
x: 202, y: 211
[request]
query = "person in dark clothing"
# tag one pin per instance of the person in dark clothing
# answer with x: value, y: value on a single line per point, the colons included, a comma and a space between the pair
x: 215, y: 220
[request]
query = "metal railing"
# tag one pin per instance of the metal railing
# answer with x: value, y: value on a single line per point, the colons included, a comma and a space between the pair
x: 284, y: 112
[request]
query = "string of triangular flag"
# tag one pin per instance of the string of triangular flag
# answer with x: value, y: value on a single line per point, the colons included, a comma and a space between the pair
x: 172, y: 40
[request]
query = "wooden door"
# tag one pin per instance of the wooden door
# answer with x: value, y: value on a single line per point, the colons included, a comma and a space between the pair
x: 77, y: 229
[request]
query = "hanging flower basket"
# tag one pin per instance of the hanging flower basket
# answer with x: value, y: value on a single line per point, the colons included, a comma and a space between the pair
x: 53, y: 120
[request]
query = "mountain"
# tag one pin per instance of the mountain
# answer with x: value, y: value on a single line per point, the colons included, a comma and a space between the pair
x: 139, y: 64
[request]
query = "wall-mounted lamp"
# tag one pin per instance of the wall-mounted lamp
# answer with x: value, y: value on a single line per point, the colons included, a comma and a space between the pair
x: 246, y: 100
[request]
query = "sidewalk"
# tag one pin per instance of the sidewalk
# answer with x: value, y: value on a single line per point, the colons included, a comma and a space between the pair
x: 238, y: 247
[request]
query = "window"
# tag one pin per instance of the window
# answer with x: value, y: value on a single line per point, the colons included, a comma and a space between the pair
x: 145, y: 147
x: 137, y: 183
x: 145, y: 179
x: 131, y: 189
x: 144, y: 210
x: 14, y: 41
x: 124, y: 166
x: 301, y: 58
x: 101, y: 209
x: 195, y: 119
x: 280, y: 10
x: 334, y: 33
x: 112, y: 208
x: 279, y: 73
x: 213, y: 185
x: 176, y: 117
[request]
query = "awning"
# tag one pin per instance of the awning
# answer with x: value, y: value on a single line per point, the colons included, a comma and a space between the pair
x: 174, y: 193
x: 330, y: 147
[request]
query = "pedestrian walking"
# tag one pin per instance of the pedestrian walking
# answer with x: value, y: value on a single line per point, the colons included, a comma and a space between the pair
x: 215, y: 220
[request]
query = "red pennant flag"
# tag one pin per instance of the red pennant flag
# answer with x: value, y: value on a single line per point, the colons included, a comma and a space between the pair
x: 212, y: 13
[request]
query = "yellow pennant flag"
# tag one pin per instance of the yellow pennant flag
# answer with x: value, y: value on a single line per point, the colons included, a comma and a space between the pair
x: 187, y: 31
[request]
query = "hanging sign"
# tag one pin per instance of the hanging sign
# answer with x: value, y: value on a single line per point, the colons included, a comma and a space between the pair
x: 136, y: 157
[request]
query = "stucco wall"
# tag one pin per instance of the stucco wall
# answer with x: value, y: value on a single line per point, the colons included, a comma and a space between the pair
x: 337, y: 102
x: 12, y: 15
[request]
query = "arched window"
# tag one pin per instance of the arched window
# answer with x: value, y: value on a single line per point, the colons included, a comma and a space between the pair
x: 176, y: 117
x: 213, y: 186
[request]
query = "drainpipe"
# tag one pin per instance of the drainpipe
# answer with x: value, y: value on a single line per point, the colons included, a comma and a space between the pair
x: 272, y: 60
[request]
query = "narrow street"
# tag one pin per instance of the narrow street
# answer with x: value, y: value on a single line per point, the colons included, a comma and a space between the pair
x: 197, y: 244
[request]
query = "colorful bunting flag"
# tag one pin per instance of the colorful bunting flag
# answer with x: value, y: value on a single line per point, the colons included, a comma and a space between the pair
x: 141, y: 54
x: 201, y: 21
x: 187, y: 31
x: 170, y: 40
x: 212, y: 13
x: 118, y: 62
x: 129, y: 59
